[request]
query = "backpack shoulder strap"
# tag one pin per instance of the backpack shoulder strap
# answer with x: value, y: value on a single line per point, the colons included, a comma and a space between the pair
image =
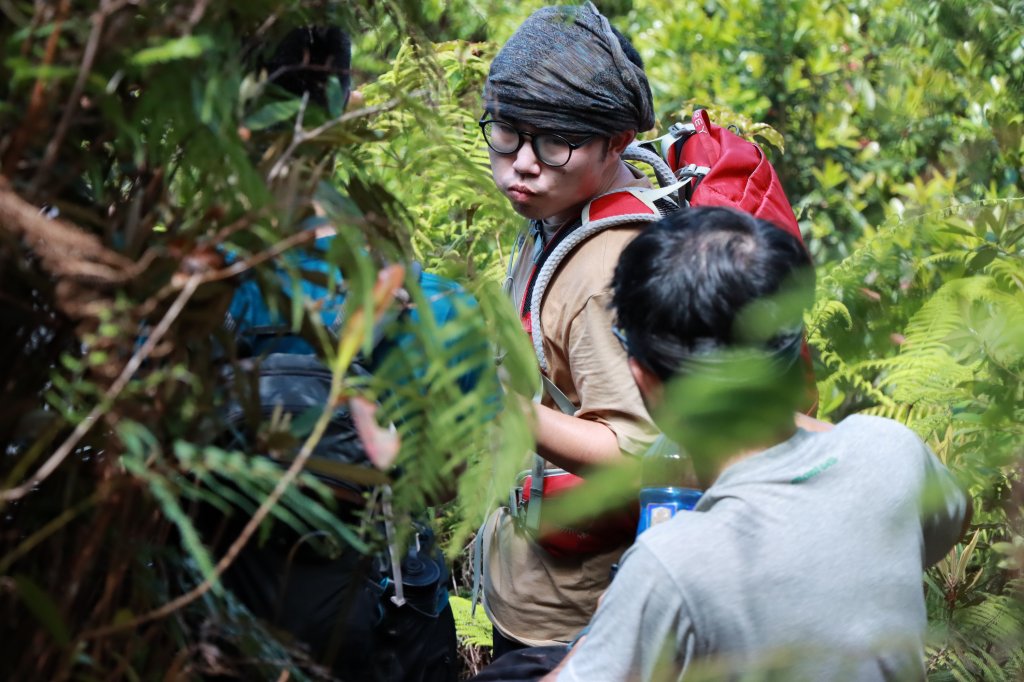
x: 560, y: 398
x: 625, y: 206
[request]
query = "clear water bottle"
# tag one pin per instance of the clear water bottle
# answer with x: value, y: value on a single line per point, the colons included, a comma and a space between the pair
x: 663, y: 489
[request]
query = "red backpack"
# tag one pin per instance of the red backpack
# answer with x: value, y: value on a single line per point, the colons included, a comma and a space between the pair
x: 735, y: 172
x: 696, y: 164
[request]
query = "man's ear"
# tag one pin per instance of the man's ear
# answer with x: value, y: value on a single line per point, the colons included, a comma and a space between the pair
x: 618, y: 142
x: 651, y: 387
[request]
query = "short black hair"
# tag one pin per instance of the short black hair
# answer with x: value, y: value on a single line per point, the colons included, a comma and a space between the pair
x: 306, y: 57
x: 627, y: 47
x: 680, y: 286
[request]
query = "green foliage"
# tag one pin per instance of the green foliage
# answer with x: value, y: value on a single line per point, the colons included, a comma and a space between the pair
x: 869, y: 96
x: 153, y: 141
x: 923, y: 323
x: 461, y: 225
x: 473, y: 629
x: 896, y: 129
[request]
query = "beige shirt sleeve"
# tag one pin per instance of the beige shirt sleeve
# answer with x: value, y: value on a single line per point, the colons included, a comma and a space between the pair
x: 586, y: 360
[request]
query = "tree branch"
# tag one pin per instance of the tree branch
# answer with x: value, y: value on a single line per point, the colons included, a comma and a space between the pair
x: 107, y: 7
x: 35, y: 104
x: 65, y: 249
x: 300, y: 136
x: 388, y: 282
x: 109, y: 397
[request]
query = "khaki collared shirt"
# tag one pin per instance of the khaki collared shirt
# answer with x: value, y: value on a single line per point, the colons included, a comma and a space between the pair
x: 530, y: 595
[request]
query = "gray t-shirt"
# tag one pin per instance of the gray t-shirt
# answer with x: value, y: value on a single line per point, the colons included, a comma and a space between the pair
x: 802, y: 562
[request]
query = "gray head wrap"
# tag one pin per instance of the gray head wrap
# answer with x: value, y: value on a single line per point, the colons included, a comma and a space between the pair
x: 565, y: 70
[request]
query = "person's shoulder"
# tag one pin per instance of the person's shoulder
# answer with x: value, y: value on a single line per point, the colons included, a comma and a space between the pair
x: 588, y: 268
x: 881, y: 429
x: 696, y: 531
x: 884, y: 446
x: 611, y: 241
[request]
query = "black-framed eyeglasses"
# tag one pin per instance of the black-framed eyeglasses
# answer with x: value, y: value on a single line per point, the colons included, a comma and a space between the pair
x: 550, y: 148
x: 621, y: 336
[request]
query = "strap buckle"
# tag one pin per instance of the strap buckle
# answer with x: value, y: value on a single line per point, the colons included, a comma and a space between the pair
x: 663, y: 146
x: 690, y: 176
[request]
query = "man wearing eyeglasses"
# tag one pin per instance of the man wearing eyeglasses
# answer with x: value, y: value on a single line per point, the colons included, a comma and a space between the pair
x: 564, y: 97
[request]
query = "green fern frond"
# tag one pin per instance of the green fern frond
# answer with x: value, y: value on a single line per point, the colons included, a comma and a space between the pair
x: 930, y: 377
x: 830, y: 358
x: 945, y: 259
x: 927, y: 420
x: 472, y: 629
x: 1009, y: 272
x: 896, y: 412
x: 824, y: 315
x: 1015, y: 666
x: 854, y: 376
x: 998, y: 620
x: 940, y: 316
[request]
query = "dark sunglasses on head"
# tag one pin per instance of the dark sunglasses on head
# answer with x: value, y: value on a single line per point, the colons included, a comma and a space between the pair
x: 550, y: 148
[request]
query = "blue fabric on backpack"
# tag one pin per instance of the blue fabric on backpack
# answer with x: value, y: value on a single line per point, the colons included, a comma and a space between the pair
x: 266, y: 331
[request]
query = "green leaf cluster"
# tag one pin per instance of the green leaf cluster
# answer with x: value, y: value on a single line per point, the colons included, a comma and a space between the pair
x: 147, y: 164
x: 140, y: 142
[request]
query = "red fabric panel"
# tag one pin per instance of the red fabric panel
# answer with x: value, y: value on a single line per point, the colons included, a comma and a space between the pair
x: 527, y: 321
x: 616, y: 204
x: 740, y: 175
x: 552, y: 484
x: 610, y: 530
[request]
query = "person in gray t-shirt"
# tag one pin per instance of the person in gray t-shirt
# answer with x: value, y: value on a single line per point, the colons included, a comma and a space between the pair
x: 803, y: 559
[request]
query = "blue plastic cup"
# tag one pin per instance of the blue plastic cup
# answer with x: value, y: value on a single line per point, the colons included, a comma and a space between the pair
x: 658, y: 505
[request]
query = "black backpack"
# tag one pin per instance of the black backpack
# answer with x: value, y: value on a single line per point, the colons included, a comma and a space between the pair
x: 290, y: 390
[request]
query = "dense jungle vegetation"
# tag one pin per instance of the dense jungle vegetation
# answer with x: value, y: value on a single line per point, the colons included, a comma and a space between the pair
x: 139, y: 141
